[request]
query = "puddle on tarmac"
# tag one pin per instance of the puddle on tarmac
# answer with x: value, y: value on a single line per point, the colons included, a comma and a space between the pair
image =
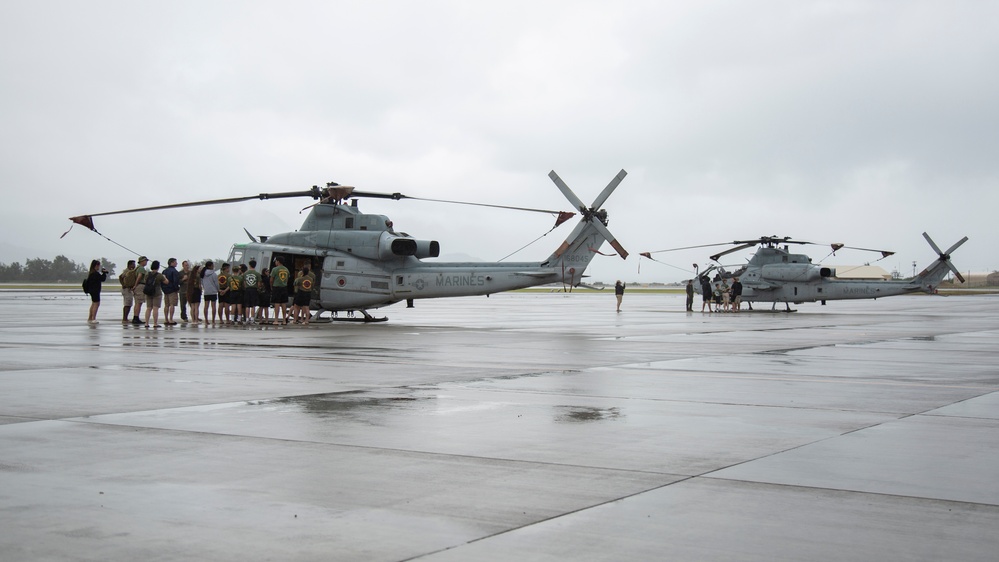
x: 350, y: 403
x: 580, y: 414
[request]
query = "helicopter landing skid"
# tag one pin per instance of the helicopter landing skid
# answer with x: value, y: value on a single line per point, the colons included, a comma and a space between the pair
x: 772, y: 308
x: 365, y: 317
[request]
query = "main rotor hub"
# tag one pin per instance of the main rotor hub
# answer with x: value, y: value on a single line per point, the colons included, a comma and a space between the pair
x: 591, y: 213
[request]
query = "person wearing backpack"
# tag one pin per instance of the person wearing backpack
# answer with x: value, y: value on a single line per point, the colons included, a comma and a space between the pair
x: 92, y: 286
x: 127, y: 281
x: 171, y: 291
x: 153, y: 290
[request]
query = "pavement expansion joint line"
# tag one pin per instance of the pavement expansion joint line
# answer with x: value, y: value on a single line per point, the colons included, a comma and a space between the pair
x: 559, y: 516
x: 854, y: 492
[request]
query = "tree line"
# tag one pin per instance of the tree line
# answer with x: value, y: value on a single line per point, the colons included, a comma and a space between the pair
x: 40, y: 270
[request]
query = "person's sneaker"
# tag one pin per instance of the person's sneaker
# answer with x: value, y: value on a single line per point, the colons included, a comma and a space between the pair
x: 136, y: 320
x: 126, y: 321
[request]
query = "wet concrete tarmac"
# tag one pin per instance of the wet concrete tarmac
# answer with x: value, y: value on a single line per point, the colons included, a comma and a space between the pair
x: 516, y: 427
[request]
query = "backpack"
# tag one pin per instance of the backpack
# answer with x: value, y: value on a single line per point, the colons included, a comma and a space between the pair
x: 127, y: 279
x: 149, y: 289
x: 86, y: 286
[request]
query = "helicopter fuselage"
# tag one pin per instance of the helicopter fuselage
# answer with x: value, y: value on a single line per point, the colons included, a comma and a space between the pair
x: 776, y: 275
x: 360, y: 262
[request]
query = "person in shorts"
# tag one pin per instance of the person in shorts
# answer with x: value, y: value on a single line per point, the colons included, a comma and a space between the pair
x: 251, y: 293
x: 210, y: 287
x: 192, y: 291
x: 95, y: 279
x: 223, y: 277
x: 235, y: 293
x: 155, y: 300
x: 263, y: 315
x: 140, y: 277
x: 171, y: 292
x: 303, y: 296
x: 127, y: 281
x: 279, y: 290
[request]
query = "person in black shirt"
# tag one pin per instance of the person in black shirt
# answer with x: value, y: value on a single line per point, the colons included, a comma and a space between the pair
x: 705, y: 293
x: 736, y: 295
x: 95, y: 279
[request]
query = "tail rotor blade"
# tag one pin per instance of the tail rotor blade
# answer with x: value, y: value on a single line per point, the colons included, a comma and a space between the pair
x: 955, y: 271
x: 933, y: 244
x: 566, y: 191
x: 599, y: 201
x: 603, y: 230
x: 956, y: 245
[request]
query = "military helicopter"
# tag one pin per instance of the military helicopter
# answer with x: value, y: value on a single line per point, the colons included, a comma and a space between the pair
x: 774, y: 274
x: 361, y: 262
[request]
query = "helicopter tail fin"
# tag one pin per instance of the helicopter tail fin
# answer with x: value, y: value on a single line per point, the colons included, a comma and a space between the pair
x: 930, y: 278
x: 571, y: 258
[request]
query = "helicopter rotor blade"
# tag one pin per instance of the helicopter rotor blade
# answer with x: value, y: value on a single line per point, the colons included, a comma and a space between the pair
x: 691, y: 247
x: 599, y: 201
x: 603, y: 230
x: 398, y: 196
x: 933, y: 244
x: 567, y: 192
x: 337, y: 192
x: 884, y: 253
x: 210, y: 202
x: 87, y: 220
x: 731, y: 250
x: 956, y: 246
x: 945, y: 256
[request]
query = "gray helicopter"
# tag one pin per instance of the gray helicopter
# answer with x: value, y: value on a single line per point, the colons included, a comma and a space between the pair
x: 361, y: 262
x: 776, y: 275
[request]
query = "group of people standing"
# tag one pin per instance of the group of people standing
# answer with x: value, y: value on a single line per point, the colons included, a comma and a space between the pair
x: 235, y: 294
x: 726, y: 298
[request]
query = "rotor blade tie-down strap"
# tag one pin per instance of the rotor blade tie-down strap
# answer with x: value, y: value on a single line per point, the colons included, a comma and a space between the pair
x: 89, y: 223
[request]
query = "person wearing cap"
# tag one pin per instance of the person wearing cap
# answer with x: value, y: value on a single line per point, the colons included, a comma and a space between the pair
x: 140, y: 279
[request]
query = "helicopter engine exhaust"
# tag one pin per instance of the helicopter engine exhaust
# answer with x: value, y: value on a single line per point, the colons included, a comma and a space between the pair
x: 416, y: 248
x: 427, y: 249
x: 404, y: 247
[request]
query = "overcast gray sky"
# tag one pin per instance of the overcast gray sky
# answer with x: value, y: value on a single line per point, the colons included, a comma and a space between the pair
x: 857, y: 122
